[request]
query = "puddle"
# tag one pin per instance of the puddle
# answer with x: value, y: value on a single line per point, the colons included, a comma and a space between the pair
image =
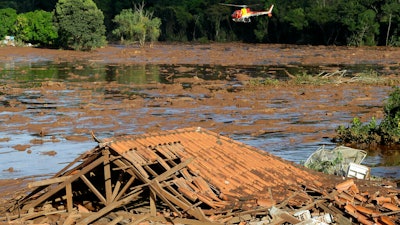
x: 45, y: 105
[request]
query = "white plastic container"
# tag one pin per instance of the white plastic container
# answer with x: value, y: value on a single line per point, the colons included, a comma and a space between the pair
x: 358, y: 171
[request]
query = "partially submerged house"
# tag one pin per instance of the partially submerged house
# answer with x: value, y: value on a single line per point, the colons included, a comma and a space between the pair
x: 190, y: 176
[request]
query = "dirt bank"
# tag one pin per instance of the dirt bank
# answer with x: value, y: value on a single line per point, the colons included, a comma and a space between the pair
x: 215, y: 54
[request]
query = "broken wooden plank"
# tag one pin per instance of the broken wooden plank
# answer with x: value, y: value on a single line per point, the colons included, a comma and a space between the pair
x: 280, y: 216
x: 28, y: 216
x: 123, y: 190
x: 166, y: 197
x: 173, y: 170
x: 182, y: 221
x: 47, y: 181
x: 175, y: 192
x: 340, y: 218
x: 188, y: 193
x: 94, y: 216
x: 137, y: 220
x: 115, y: 192
x: 107, y: 175
x: 153, y: 206
x: 72, y: 218
x: 70, y: 203
x: 116, y: 220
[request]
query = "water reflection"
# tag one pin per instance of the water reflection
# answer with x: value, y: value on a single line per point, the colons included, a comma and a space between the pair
x: 43, y: 109
x: 149, y: 73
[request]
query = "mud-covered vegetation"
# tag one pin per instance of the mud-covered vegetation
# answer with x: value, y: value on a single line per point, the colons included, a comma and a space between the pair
x: 372, y: 133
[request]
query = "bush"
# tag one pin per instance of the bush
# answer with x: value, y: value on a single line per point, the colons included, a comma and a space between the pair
x: 386, y: 133
x: 8, y: 17
x: 390, y: 126
x: 36, y: 27
x: 137, y: 26
x: 80, y: 24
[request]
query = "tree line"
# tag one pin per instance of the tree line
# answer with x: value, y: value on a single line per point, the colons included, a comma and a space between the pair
x: 313, y: 22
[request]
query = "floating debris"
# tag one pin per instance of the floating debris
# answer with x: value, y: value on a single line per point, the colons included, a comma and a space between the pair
x: 341, y: 161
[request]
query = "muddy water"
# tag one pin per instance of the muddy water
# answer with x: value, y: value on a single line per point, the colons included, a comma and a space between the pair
x: 48, y: 111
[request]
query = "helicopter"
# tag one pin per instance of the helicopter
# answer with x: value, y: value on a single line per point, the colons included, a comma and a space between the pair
x: 243, y: 15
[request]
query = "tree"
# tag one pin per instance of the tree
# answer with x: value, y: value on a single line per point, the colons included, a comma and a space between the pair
x: 391, y: 19
x: 261, y: 32
x: 8, y: 17
x: 323, y: 20
x: 36, y: 27
x: 21, y: 29
x: 80, y: 24
x: 360, y: 21
x: 138, y: 25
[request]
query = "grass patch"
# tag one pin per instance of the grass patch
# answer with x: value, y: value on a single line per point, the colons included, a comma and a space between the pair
x: 337, y: 77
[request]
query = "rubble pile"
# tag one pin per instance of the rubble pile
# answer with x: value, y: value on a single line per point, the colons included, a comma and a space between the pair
x: 194, y: 176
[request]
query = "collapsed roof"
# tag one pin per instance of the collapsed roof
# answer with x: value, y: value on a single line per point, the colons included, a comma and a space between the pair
x: 189, y: 173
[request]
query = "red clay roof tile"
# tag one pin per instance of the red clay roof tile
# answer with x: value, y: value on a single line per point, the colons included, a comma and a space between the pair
x: 231, y: 166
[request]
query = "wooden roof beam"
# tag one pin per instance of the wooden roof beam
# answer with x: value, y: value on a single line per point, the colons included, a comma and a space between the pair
x: 64, y: 184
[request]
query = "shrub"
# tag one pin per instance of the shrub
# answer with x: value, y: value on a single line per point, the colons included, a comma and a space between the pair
x: 8, y: 17
x: 386, y: 133
x: 137, y: 26
x: 80, y: 24
x: 36, y: 27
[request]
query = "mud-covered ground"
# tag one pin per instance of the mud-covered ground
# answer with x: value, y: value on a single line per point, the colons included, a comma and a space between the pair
x: 217, y: 54
x: 313, y: 105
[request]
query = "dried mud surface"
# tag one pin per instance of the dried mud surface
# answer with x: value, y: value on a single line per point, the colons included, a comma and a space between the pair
x: 217, y: 54
x: 326, y: 102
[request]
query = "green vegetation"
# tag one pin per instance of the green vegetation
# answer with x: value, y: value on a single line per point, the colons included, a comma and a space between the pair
x: 340, y: 22
x: 370, y: 134
x: 336, y: 77
x: 80, y: 24
x: 137, y: 26
x: 35, y: 27
x: 328, y: 166
x: 8, y: 17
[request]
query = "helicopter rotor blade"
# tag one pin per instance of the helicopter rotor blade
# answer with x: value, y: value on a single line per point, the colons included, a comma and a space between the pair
x: 226, y: 4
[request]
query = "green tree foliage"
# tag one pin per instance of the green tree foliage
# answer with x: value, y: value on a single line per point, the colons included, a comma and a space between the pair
x: 386, y: 133
x: 358, y: 132
x: 137, y: 25
x: 391, y: 22
x: 80, y: 24
x: 315, y: 22
x: 323, y: 19
x: 361, y: 23
x: 36, y: 28
x: 23, y: 6
x: 21, y: 29
x: 8, y: 17
x: 110, y: 9
x: 390, y: 126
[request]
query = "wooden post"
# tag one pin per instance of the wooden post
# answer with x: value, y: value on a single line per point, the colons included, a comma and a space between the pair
x: 68, y: 190
x: 63, y: 184
x: 107, y: 175
x: 153, y: 209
